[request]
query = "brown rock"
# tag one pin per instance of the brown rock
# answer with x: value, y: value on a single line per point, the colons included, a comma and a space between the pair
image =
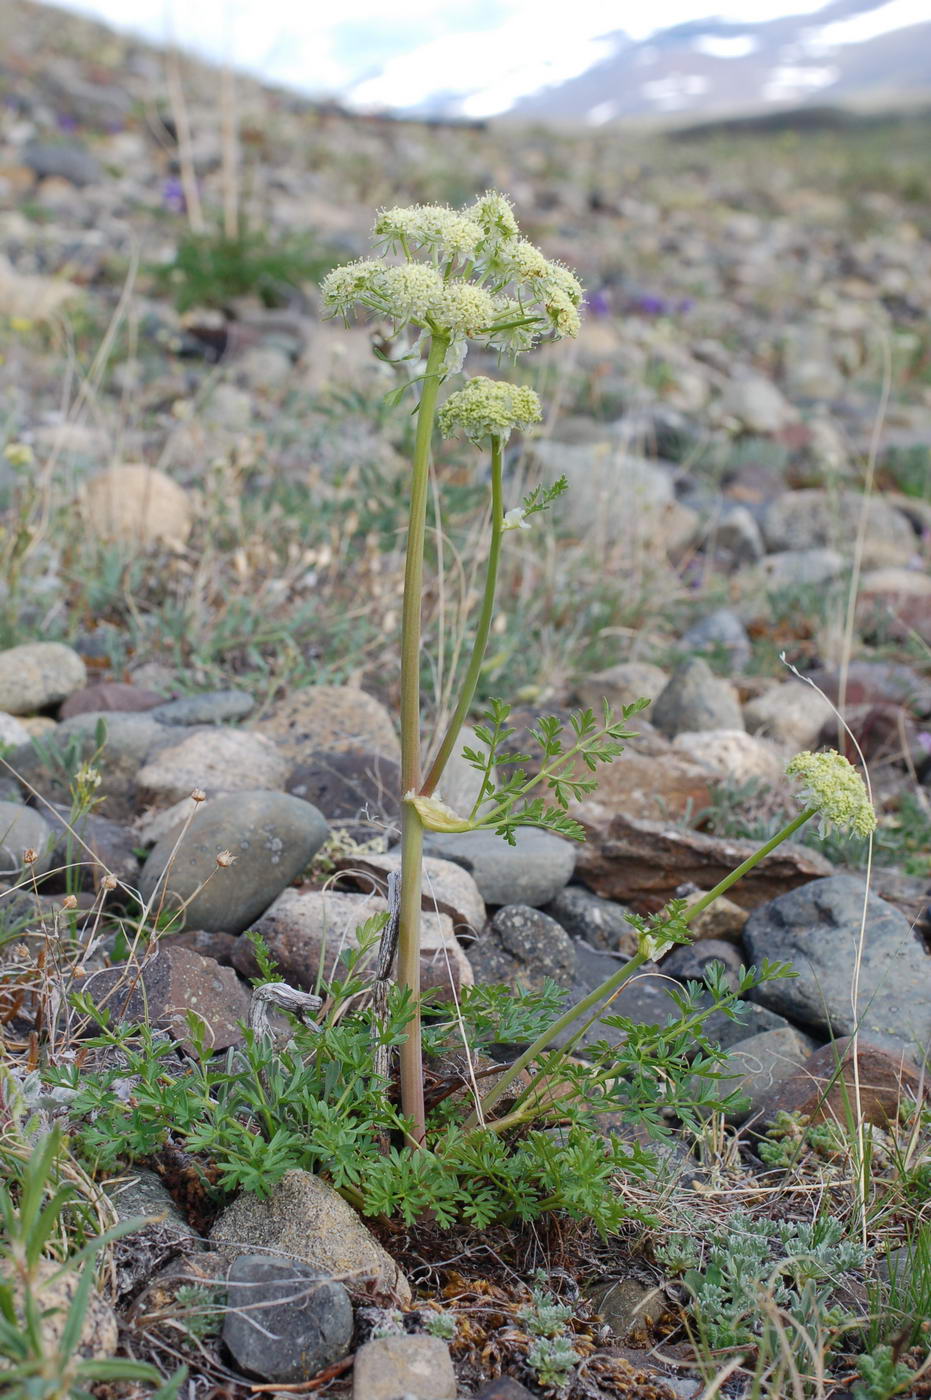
x: 416, y: 1367
x: 168, y: 986
x: 108, y: 696
x: 136, y: 504
x: 332, y: 719
x: 658, y: 789
x: 642, y: 863
x: 209, y: 943
x: 724, y: 919
x: 355, y: 787
x: 823, y: 1088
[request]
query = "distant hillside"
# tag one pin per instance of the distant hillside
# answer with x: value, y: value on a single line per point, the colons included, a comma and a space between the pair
x: 710, y: 66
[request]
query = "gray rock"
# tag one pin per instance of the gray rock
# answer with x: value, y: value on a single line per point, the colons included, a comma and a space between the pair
x: 813, y: 517
x: 757, y: 404
x: 621, y: 685
x: 215, y: 760
x: 87, y: 848
x: 645, y: 1000
x: 12, y: 733
x: 720, y: 632
x: 37, y: 675
x: 754, y: 1020
x: 736, y: 539
x: 531, y: 872
x: 285, y: 1322
x: 210, y: 707
x: 601, y: 922
x: 66, y: 162
x: 272, y: 837
x: 356, y: 789
x: 694, y: 698
x: 792, y: 713
x: 23, y: 829
x: 304, y: 1219
x: 415, y: 1366
x: 131, y: 739
x: 140, y: 1193
x: 524, y: 947
x: 690, y: 962
x: 757, y: 1065
x: 629, y: 1305
x: 817, y: 929
x: 330, y: 719
x: 800, y: 568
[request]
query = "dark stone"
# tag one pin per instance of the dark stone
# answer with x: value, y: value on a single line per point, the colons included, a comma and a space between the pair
x: 723, y: 1031
x: 693, y: 698
x: 93, y: 846
x: 689, y: 963
x: 66, y: 162
x: 720, y: 632
x: 285, y: 1322
x: 524, y: 947
x: 504, y: 1388
x: 168, y: 986
x: 109, y: 696
x: 600, y: 922
x: 529, y: 873
x: 817, y: 929
x: 356, y: 788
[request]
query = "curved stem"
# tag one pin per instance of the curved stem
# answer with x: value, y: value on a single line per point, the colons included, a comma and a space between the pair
x: 470, y: 681
x: 617, y: 979
x: 412, y: 1102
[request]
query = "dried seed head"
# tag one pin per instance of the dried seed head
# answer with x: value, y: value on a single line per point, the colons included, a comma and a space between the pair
x: 225, y: 858
x: 69, y: 902
x: 198, y: 795
x: 109, y: 882
x: 30, y: 856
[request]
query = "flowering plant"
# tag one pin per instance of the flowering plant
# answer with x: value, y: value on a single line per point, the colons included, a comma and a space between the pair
x: 446, y: 279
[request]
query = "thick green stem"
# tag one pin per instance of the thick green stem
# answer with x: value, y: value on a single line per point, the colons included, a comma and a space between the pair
x: 723, y: 885
x: 412, y: 1102
x: 470, y: 681
x: 617, y: 979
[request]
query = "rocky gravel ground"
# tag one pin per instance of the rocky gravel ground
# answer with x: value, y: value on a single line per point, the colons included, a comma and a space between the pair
x: 199, y: 616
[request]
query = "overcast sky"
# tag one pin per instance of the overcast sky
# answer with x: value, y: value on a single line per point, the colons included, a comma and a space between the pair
x: 496, y: 50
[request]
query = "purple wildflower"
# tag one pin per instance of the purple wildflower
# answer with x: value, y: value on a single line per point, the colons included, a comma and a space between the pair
x: 173, y: 196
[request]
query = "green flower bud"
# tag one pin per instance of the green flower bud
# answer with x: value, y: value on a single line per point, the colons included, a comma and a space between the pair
x: 429, y: 226
x: 345, y: 286
x: 561, y: 313
x: 463, y: 309
x: 493, y: 213
x: 835, y: 789
x: 489, y: 408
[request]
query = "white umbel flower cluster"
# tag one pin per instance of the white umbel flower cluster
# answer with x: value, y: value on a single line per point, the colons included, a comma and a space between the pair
x: 466, y: 275
x: 834, y: 788
x: 486, y: 408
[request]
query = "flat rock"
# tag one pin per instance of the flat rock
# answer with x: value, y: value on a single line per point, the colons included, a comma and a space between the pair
x: 643, y: 863
x: 405, y: 1367
x: 523, y: 947
x: 308, y: 932
x: 23, y: 829
x: 824, y: 1087
x: 814, y: 517
x: 530, y: 872
x: 214, y: 760
x: 171, y: 984
x: 285, y: 1322
x: 817, y: 929
x: 447, y: 887
x: 136, y: 505
x: 734, y: 754
x: 754, y: 1020
x: 792, y: 713
x: 872, y: 682
x: 628, y: 1305
x: 63, y: 161
x: 271, y: 835
x: 694, y: 698
x: 209, y: 707
x: 38, y: 675
x: 331, y: 719
x: 307, y: 1220
x: 600, y: 922
x: 758, y: 405
x: 801, y: 568
x: 109, y: 695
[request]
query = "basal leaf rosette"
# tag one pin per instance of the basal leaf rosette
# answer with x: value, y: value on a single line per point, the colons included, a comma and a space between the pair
x: 464, y: 275
x: 833, y: 788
